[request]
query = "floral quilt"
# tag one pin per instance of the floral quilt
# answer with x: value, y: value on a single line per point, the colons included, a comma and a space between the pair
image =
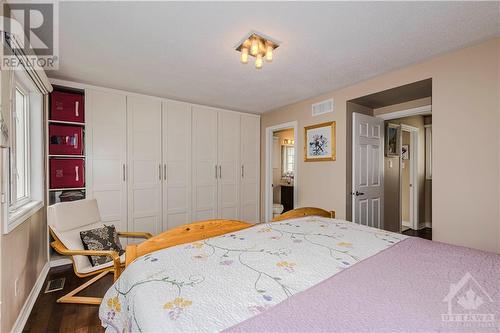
x: 213, y: 284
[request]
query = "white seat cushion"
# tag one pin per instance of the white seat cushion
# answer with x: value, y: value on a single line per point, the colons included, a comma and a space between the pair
x: 72, y: 240
x: 66, y: 216
x: 106, y: 265
x: 67, y: 219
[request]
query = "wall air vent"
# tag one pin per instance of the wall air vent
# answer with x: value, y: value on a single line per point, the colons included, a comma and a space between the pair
x: 322, y: 107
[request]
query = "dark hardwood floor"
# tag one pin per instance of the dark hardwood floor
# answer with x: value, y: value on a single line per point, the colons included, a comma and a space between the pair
x: 49, y: 316
x: 422, y: 233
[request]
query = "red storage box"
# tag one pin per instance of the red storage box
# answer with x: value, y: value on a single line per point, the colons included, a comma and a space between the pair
x: 67, y: 173
x: 65, y: 140
x: 67, y: 107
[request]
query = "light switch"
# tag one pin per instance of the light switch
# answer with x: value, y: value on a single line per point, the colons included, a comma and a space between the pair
x: 390, y: 163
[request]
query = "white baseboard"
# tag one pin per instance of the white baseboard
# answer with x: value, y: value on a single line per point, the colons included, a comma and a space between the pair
x: 60, y: 262
x: 24, y: 314
x: 407, y: 224
x: 425, y: 225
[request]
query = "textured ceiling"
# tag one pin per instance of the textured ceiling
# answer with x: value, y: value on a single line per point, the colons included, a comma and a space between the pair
x: 185, y: 50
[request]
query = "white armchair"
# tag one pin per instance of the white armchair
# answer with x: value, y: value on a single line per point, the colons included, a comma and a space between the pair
x: 66, y: 221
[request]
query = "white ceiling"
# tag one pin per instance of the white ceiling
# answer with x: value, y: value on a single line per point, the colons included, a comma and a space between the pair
x: 185, y: 50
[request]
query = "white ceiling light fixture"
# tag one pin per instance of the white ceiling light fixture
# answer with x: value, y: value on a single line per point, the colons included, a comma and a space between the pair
x: 257, y: 45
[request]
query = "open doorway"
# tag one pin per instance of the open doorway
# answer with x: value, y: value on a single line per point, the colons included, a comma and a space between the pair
x: 391, y: 187
x: 408, y: 175
x: 281, y: 169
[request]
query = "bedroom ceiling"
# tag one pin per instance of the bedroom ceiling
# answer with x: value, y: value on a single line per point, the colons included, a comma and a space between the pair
x: 186, y: 50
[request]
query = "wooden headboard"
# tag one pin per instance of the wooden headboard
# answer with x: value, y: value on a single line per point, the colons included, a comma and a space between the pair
x: 186, y: 233
x: 305, y: 211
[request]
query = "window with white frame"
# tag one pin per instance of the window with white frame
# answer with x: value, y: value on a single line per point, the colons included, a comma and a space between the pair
x: 24, y: 158
x: 20, y: 148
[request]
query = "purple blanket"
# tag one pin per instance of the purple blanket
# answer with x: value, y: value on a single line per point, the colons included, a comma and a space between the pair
x: 414, y: 286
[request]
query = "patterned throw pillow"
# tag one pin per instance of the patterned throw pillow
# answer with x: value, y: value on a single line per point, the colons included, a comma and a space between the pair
x: 104, y: 238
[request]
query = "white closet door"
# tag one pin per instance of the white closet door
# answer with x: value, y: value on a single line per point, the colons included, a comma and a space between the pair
x: 145, y: 164
x: 229, y: 165
x: 176, y: 164
x: 107, y: 154
x: 250, y: 169
x: 204, y: 163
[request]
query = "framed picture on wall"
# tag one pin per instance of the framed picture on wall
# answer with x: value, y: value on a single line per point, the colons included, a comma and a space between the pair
x: 405, y: 152
x: 392, y: 140
x: 319, y: 142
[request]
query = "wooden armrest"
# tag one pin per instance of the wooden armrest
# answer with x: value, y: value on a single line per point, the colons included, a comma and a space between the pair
x: 146, y: 235
x: 60, y: 248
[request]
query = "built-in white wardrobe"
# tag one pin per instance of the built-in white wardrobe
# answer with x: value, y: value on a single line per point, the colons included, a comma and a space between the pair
x: 154, y: 164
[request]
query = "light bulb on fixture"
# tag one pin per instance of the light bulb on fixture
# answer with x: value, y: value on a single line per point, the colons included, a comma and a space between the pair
x: 269, y: 53
x: 254, y: 48
x: 257, y: 46
x: 244, y: 55
x: 258, y: 61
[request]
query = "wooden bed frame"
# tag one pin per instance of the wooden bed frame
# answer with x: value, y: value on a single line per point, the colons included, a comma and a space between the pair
x: 305, y: 211
x: 188, y: 233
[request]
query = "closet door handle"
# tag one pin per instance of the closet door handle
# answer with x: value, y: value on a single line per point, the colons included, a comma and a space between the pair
x: 124, y: 172
x: 216, y: 171
x: 165, y: 171
x: 242, y: 171
x: 220, y: 172
x: 159, y: 171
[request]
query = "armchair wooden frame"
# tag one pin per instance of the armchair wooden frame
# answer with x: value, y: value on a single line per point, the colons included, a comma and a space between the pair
x: 116, y: 268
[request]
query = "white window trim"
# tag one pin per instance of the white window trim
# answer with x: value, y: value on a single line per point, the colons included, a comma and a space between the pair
x: 19, y: 213
x: 19, y: 203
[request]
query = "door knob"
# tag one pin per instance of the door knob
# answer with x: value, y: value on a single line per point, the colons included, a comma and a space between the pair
x: 358, y: 193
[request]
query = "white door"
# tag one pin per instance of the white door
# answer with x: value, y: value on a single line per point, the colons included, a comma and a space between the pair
x: 250, y: 169
x: 176, y: 164
x: 145, y: 164
x: 204, y: 163
x: 368, y: 170
x: 107, y: 154
x: 228, y: 152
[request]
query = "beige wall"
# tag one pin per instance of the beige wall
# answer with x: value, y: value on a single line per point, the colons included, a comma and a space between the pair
x: 465, y: 100
x: 24, y: 253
